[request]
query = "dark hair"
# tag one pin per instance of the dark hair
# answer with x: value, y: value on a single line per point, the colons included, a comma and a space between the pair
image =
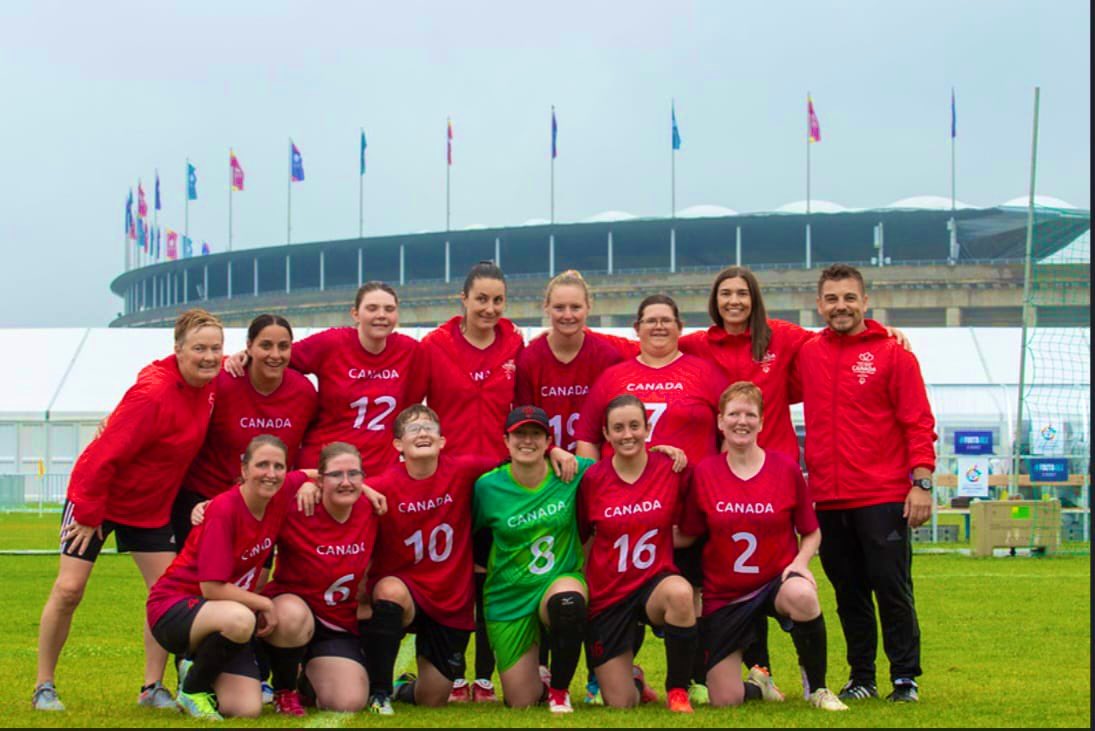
x: 372, y: 286
x: 335, y: 449
x: 623, y: 400
x: 485, y: 269
x: 409, y: 414
x: 742, y: 389
x: 262, y: 322
x: 658, y: 299
x: 263, y: 440
x: 760, y: 332
x: 837, y: 272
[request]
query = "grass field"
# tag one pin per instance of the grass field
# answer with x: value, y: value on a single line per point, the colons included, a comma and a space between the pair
x: 1006, y: 642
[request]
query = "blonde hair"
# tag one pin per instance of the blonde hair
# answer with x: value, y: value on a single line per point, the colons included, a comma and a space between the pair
x: 194, y: 319
x: 571, y: 277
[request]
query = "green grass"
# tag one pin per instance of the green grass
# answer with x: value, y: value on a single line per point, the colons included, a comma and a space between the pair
x: 1006, y: 642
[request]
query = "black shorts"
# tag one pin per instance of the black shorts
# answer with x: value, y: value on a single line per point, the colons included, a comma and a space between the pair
x: 443, y: 646
x: 128, y: 538
x: 612, y: 632
x: 172, y: 631
x: 327, y: 642
x: 735, y: 626
x: 689, y: 561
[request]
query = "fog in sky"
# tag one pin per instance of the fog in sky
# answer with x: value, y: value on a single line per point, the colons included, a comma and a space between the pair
x: 99, y: 95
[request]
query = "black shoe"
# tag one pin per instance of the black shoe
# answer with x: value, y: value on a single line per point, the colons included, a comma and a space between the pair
x: 904, y: 691
x: 855, y: 691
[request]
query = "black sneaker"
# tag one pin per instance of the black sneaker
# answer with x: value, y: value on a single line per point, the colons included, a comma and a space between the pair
x: 904, y: 691
x: 855, y: 691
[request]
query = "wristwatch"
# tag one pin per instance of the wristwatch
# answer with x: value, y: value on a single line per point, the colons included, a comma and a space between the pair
x: 924, y: 483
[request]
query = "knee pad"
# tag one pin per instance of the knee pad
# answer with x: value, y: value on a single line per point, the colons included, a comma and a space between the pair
x: 567, y: 613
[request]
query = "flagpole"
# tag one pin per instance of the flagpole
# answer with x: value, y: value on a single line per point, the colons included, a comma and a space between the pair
x: 953, y: 222
x: 186, y: 206
x: 230, y: 199
x: 289, y: 207
x: 361, y: 193
x: 808, y: 140
x: 155, y: 207
x: 448, y: 170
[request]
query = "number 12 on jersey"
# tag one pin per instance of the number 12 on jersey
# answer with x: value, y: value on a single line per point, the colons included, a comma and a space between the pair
x: 386, y: 403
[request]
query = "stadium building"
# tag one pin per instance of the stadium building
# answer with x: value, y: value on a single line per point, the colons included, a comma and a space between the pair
x: 922, y: 271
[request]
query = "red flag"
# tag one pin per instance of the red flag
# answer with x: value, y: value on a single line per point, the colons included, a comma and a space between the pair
x: 815, y: 127
x: 449, y: 142
x: 237, y: 171
x: 172, y: 244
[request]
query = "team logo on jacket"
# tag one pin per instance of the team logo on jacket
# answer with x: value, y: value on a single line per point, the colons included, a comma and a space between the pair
x: 864, y: 367
x: 767, y: 361
x: 510, y: 368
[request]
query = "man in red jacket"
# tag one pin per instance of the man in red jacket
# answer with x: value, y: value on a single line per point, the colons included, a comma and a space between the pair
x: 870, y: 455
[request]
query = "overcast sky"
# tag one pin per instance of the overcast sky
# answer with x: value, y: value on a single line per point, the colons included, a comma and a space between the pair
x: 99, y: 95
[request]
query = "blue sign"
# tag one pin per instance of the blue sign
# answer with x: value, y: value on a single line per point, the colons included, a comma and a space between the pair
x: 1051, y: 469
x: 973, y: 442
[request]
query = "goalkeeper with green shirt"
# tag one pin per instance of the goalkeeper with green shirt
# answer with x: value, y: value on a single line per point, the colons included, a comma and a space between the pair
x: 534, y: 572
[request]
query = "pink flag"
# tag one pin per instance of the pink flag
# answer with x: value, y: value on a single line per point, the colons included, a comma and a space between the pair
x: 172, y: 244
x: 237, y: 171
x: 449, y: 142
x: 815, y: 127
x: 142, y: 205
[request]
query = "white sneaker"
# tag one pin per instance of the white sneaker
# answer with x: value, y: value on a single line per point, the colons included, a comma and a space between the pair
x: 559, y: 701
x: 826, y: 700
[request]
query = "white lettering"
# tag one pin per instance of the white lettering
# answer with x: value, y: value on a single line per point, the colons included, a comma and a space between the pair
x: 348, y: 549
x: 381, y: 374
x: 421, y: 506
x: 256, y: 549
x: 575, y: 390
x: 744, y: 508
x: 531, y: 517
x: 265, y: 422
x: 667, y: 386
x: 646, y: 506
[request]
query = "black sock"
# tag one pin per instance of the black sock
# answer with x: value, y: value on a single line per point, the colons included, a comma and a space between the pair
x: 543, y: 646
x: 484, y: 655
x: 210, y: 658
x: 637, y: 641
x: 380, y: 638
x: 812, y: 646
x: 680, y: 654
x: 752, y: 692
x: 757, y: 651
x: 284, y: 665
x: 405, y: 692
x: 262, y: 659
x: 699, y: 667
x: 567, y: 616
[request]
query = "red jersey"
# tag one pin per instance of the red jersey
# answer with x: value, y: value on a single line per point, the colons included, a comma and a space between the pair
x: 230, y: 545
x: 360, y: 394
x: 868, y: 419
x: 751, y: 525
x: 242, y: 413
x: 425, y: 538
x: 631, y: 525
x: 131, y: 473
x: 560, y: 388
x: 733, y: 354
x: 471, y: 389
x: 323, y: 561
x: 682, y: 401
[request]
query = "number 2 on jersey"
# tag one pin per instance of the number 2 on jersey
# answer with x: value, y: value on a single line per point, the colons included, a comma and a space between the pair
x: 750, y: 541
x: 362, y: 405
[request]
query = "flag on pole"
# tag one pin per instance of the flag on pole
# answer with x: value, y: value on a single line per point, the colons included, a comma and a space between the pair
x: 191, y: 182
x: 129, y: 214
x: 159, y: 204
x: 142, y: 241
x: 187, y: 247
x: 554, y: 135
x: 172, y: 244
x: 815, y: 127
x: 296, y: 163
x: 676, y: 132
x: 41, y: 468
x: 363, y: 152
x: 237, y: 173
x: 449, y: 142
x: 205, y: 249
x: 158, y: 242
x: 142, y: 205
x: 954, y: 117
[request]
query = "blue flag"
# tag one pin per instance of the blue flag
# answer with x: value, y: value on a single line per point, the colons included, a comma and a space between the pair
x: 954, y: 117
x: 159, y: 206
x: 129, y: 213
x: 676, y: 132
x: 554, y: 135
x: 188, y: 247
x: 205, y: 249
x: 362, y: 152
x: 191, y: 182
x: 296, y: 164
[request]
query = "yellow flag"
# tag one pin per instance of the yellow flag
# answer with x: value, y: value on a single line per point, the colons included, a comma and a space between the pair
x: 41, y: 468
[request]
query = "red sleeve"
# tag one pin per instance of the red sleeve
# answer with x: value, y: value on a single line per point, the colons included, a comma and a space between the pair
x: 307, y: 354
x: 216, y: 554
x: 805, y: 517
x: 912, y: 409
x: 127, y: 429
x: 626, y: 347
x: 522, y: 392
x: 419, y: 377
x: 693, y: 343
x: 795, y: 337
x: 693, y: 521
x: 589, y: 423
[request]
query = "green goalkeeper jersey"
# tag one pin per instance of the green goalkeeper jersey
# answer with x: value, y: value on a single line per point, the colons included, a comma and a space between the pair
x: 535, y: 538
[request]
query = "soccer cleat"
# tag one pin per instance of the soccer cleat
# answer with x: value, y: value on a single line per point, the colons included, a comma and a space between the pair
x: 403, y: 690
x: 155, y: 696
x: 853, y: 691
x: 559, y: 701
x: 288, y: 702
x: 646, y: 693
x: 904, y: 691
x: 45, y: 698
x: 182, y: 668
x: 826, y: 700
x: 202, y: 706
x: 760, y: 677
x: 381, y: 704
x: 593, y: 693
x: 460, y: 692
x: 677, y: 700
x: 267, y: 693
x: 482, y: 691
x: 698, y: 695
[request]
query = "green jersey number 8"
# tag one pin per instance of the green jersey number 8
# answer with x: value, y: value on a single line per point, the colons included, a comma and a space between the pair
x: 542, y: 558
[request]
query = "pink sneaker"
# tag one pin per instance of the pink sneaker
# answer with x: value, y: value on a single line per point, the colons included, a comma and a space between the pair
x: 460, y: 693
x: 288, y: 703
x: 482, y: 691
